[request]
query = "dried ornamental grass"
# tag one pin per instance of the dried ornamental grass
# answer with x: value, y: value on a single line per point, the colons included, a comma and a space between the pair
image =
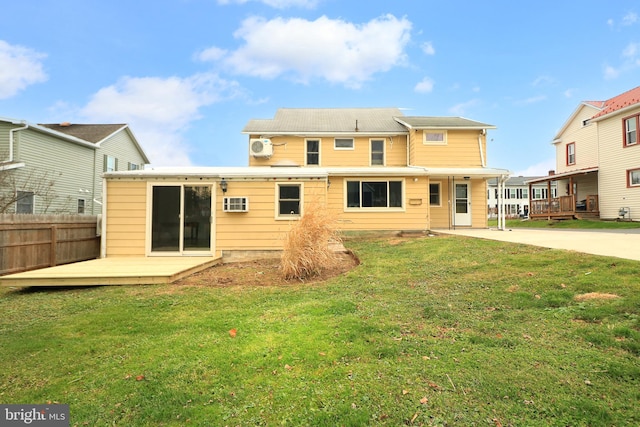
x: 306, y: 246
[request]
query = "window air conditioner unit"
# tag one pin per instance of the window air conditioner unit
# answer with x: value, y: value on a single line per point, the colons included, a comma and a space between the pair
x: 261, y: 147
x: 235, y: 204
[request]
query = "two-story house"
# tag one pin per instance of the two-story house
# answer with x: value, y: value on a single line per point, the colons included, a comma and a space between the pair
x: 374, y: 168
x: 597, y: 162
x: 515, y: 196
x: 57, y: 168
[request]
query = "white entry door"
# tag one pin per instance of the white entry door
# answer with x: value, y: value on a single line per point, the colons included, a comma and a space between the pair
x: 462, y: 205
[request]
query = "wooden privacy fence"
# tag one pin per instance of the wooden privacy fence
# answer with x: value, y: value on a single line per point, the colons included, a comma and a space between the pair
x: 29, y: 242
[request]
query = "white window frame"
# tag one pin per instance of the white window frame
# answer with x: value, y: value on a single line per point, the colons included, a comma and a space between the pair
x: 335, y: 144
x: 633, y: 175
x: 361, y: 208
x: 306, y: 151
x: 627, y: 131
x: 426, y: 140
x: 235, y: 204
x: 278, y: 215
x: 571, y: 154
x: 371, y: 152
x: 439, y: 184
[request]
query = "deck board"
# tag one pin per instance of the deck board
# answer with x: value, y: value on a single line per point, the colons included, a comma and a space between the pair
x: 112, y: 271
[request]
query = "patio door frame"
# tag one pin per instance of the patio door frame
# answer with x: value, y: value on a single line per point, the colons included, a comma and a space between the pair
x: 181, y: 251
x: 462, y: 219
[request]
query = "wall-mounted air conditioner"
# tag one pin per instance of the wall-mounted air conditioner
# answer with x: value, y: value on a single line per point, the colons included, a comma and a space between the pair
x: 261, y: 147
x: 235, y: 204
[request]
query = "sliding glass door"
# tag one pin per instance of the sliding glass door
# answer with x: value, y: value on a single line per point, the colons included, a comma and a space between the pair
x: 181, y: 219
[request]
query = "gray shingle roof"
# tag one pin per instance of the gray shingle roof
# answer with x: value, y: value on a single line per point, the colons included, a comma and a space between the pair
x: 424, y: 122
x: 334, y: 120
x: 87, y: 132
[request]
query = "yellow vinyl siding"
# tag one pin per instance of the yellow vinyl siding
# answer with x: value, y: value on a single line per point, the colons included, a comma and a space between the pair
x: 479, y: 203
x: 293, y: 149
x: 461, y: 150
x: 413, y: 216
x: 259, y: 229
x: 441, y: 215
x: 126, y: 218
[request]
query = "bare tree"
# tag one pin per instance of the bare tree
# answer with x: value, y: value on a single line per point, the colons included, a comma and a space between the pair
x: 14, y: 183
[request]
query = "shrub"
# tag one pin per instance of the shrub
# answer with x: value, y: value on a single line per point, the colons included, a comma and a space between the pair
x: 307, y: 250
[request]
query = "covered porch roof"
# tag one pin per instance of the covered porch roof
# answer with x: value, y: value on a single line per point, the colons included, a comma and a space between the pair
x: 558, y: 176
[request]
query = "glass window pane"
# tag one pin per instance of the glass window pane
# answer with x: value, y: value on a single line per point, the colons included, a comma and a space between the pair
x: 434, y: 194
x: 374, y: 194
x: 395, y: 194
x: 353, y: 194
x: 344, y: 143
x: 290, y: 192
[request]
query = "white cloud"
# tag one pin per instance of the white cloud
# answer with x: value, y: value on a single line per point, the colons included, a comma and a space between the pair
x: 630, y: 61
x: 278, y: 4
x: 542, y: 81
x: 538, y: 169
x: 569, y: 93
x: 330, y: 49
x: 630, y: 19
x: 210, y: 54
x: 19, y: 68
x: 462, y: 108
x: 159, y: 110
x: 424, y: 86
x: 427, y: 48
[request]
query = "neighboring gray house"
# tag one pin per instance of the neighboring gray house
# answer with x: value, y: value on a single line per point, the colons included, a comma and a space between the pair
x: 516, y: 196
x: 57, y: 168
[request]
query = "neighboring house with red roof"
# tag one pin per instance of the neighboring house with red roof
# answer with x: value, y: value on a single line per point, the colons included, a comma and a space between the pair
x: 57, y: 168
x: 597, y: 162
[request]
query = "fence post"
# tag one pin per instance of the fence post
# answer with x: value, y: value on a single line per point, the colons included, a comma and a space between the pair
x: 54, y: 244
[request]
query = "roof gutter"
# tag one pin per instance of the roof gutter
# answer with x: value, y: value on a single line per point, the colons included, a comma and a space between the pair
x: 11, y: 140
x: 480, y: 135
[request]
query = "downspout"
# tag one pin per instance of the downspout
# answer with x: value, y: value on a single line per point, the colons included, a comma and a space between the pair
x: 482, y: 133
x: 452, y: 202
x: 11, y: 131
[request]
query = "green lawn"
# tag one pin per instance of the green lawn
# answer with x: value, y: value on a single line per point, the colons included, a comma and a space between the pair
x: 444, y: 330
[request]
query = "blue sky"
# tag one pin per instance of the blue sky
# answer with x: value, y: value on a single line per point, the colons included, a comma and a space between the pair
x: 187, y: 75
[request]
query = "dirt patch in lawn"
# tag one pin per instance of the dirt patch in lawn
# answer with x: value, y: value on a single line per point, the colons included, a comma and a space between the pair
x: 265, y: 272
x: 595, y: 295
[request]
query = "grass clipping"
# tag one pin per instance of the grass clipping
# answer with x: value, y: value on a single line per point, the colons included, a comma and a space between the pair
x: 307, y: 250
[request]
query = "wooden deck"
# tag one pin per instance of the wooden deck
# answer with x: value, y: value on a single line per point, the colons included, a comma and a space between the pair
x: 113, y: 271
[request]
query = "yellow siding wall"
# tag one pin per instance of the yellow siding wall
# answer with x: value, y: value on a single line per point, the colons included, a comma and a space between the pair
x: 461, y: 150
x: 258, y: 229
x: 442, y: 216
x: 126, y: 218
x: 413, y: 217
x: 292, y: 149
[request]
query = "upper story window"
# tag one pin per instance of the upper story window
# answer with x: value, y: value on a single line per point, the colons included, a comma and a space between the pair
x: 289, y: 200
x: 343, y: 144
x: 633, y: 178
x: 25, y: 202
x: 110, y: 164
x: 377, y: 152
x: 81, y: 206
x: 435, y: 137
x: 133, y: 166
x: 631, y: 125
x: 571, y: 154
x: 313, y: 152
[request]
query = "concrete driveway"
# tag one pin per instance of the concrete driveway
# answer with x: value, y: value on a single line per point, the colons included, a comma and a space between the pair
x: 615, y: 243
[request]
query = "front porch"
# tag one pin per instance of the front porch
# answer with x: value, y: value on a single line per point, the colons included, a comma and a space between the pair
x: 112, y: 271
x: 565, y: 207
x: 580, y: 201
